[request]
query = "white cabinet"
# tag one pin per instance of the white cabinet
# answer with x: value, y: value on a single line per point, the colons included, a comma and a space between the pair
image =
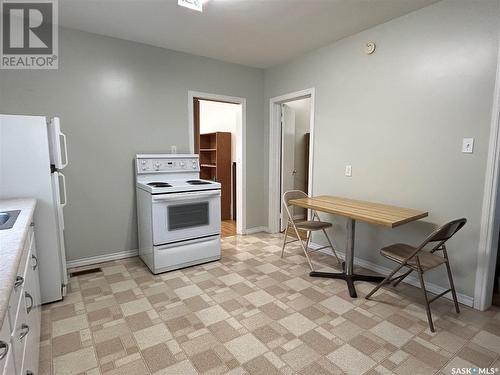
x: 33, y: 312
x: 6, y: 356
x: 20, y: 332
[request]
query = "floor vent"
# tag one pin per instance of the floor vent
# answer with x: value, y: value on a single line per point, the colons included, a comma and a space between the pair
x: 85, y: 272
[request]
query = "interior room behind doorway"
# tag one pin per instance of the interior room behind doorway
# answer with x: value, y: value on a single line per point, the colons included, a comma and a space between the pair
x: 218, y: 145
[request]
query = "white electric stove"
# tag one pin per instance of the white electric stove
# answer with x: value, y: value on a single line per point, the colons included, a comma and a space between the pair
x: 178, y: 214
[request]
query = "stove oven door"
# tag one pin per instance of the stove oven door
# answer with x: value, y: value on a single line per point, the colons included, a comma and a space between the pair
x: 183, y: 216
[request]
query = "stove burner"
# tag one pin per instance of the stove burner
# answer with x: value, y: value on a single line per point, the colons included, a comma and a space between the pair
x: 198, y: 182
x: 159, y: 184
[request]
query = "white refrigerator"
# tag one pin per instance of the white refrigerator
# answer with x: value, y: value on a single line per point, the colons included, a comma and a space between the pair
x: 32, y: 154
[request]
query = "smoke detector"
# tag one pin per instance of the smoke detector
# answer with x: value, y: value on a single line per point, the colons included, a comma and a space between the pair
x: 370, y: 48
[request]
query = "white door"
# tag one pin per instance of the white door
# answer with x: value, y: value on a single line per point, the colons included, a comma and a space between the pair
x: 59, y: 190
x: 287, y: 155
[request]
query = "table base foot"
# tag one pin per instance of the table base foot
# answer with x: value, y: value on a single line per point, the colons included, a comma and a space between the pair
x: 350, y: 279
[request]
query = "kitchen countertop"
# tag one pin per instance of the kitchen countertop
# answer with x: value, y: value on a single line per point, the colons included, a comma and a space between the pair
x: 11, y: 247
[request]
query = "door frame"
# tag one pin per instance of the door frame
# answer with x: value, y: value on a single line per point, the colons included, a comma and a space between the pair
x: 285, y: 158
x: 241, y: 193
x: 275, y: 151
x: 490, y: 216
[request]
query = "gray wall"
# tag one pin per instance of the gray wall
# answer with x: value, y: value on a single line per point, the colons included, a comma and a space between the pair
x: 399, y: 116
x: 117, y: 98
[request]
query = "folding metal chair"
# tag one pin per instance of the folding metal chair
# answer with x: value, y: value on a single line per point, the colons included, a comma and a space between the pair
x: 308, y: 226
x: 420, y: 260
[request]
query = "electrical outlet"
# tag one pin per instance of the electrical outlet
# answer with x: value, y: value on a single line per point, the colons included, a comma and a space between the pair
x: 348, y: 170
x: 173, y: 149
x: 468, y: 145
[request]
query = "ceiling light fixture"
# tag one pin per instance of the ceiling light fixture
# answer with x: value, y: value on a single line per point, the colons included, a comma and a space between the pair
x: 191, y: 4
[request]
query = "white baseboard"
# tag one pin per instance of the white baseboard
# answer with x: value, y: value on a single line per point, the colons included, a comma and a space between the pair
x: 101, y: 258
x: 256, y: 230
x: 132, y: 253
x: 411, y: 280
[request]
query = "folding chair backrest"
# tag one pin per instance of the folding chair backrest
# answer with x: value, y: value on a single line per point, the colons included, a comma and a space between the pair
x: 292, y: 194
x: 445, y: 232
x: 289, y: 195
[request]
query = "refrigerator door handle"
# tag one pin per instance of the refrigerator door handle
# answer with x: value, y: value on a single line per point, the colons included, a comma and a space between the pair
x: 57, y: 144
x: 64, y: 189
x: 63, y: 165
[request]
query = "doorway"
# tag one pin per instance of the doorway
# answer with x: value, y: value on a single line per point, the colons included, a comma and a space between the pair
x: 216, y: 133
x: 487, y: 269
x: 291, y: 152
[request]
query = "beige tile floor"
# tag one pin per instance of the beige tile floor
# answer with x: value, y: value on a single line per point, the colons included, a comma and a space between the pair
x: 254, y: 313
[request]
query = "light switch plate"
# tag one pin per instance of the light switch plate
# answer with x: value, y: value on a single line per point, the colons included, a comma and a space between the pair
x: 173, y: 149
x: 468, y: 145
x: 348, y: 170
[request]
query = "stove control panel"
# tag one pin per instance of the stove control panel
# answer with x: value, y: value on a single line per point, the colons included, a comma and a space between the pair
x: 165, y: 165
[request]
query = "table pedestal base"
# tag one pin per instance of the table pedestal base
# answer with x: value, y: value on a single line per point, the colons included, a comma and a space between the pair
x: 350, y: 279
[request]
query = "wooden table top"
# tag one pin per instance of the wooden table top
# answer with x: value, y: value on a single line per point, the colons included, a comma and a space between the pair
x: 374, y: 213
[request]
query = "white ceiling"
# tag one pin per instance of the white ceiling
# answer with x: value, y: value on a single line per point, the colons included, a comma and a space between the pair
x: 258, y: 33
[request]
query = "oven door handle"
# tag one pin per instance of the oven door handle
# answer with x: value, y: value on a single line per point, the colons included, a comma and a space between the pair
x: 186, y: 195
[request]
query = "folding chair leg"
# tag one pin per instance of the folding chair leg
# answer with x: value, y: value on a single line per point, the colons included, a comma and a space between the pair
x: 307, y: 240
x: 452, y: 287
x: 384, y: 281
x: 331, y: 246
x: 427, y: 304
x: 402, y: 277
x: 305, y: 248
x: 301, y: 244
x: 284, y: 240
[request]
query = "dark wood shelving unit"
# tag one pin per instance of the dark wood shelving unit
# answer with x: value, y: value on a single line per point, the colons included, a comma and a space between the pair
x: 215, y: 165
